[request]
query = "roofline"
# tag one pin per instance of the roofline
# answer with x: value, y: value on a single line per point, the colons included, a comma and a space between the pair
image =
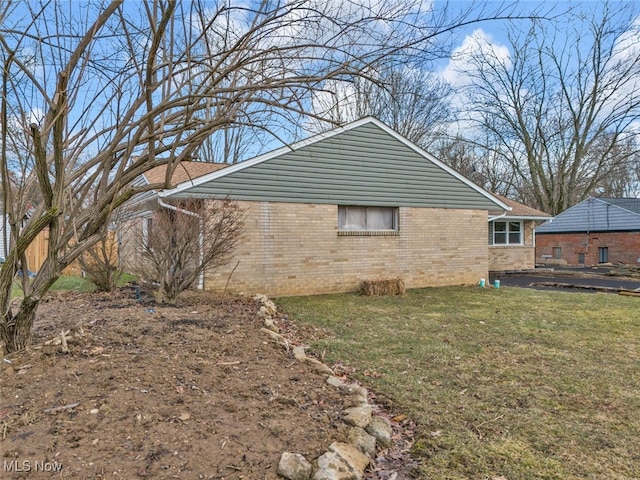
x: 527, y: 217
x: 323, y: 136
x: 583, y: 232
x: 609, y: 203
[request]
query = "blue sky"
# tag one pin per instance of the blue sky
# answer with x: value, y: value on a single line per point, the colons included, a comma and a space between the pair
x: 490, y: 34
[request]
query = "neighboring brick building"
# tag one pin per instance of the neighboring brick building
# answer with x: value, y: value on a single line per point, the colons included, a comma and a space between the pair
x: 595, y: 231
x: 353, y: 204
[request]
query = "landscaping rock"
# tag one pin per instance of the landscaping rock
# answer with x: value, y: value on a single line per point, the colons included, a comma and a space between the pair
x: 319, y: 366
x: 358, y: 416
x: 357, y: 398
x: 363, y: 441
x: 336, y: 382
x: 271, y: 325
x: 380, y: 428
x: 294, y: 466
x: 357, y: 460
x: 276, y: 337
x: 260, y: 297
x: 270, y: 308
x: 357, y: 394
x: 333, y: 467
x: 298, y: 353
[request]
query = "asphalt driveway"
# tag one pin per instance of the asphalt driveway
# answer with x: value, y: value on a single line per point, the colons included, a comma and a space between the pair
x: 570, y: 279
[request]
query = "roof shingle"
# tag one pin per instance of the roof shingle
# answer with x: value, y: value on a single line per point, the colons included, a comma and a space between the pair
x: 520, y: 210
x: 184, y: 171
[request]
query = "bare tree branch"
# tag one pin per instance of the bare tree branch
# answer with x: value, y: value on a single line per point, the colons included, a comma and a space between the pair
x: 563, y: 115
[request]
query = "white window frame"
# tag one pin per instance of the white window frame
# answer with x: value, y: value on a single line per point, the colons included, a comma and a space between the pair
x: 506, y: 232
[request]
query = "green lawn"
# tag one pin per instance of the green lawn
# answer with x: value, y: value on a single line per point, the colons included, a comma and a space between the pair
x: 66, y: 282
x: 511, y: 382
x: 71, y: 283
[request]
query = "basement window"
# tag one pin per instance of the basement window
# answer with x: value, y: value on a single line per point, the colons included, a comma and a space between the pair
x: 354, y: 220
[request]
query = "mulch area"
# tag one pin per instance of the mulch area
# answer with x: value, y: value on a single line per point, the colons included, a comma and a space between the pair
x: 149, y: 391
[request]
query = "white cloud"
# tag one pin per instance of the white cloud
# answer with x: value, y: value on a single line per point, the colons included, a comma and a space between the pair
x: 459, y: 70
x: 623, y: 80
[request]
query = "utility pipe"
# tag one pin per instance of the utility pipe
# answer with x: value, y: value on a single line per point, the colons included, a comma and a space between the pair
x: 200, y: 237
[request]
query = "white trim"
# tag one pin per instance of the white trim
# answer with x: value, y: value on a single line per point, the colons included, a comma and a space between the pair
x: 323, y: 136
x: 497, y: 217
x: 507, y: 232
x: 522, y: 217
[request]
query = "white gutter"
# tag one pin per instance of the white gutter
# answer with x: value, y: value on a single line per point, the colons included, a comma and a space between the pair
x: 502, y: 215
x: 201, y: 236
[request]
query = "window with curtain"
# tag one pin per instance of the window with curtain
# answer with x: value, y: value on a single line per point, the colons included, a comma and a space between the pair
x: 505, y: 233
x: 355, y: 219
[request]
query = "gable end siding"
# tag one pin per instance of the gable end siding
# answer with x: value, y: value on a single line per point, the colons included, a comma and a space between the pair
x: 362, y: 166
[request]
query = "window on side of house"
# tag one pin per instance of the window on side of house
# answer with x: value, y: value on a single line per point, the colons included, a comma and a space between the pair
x: 367, y: 219
x: 557, y: 253
x: 505, y: 233
x: 147, y: 227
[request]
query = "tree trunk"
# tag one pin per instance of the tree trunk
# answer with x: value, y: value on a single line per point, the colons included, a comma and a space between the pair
x: 16, y: 330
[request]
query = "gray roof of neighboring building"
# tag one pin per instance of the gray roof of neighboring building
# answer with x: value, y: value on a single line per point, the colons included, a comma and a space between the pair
x: 364, y: 163
x: 631, y: 204
x: 596, y: 215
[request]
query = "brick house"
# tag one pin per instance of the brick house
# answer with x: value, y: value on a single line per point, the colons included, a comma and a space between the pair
x: 359, y: 202
x: 592, y: 232
x: 512, y: 239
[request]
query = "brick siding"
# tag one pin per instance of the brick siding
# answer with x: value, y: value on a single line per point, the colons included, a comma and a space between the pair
x: 623, y: 247
x: 295, y: 249
x: 514, y: 257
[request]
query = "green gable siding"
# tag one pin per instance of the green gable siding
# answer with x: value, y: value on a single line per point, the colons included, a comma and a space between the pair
x: 362, y: 166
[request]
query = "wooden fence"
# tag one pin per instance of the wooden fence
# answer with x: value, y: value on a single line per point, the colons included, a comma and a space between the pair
x: 37, y: 253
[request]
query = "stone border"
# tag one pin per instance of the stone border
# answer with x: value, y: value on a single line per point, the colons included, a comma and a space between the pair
x: 343, y: 460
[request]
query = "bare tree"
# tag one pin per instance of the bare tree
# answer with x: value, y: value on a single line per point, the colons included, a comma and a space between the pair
x: 412, y: 101
x: 623, y: 161
x: 180, y: 243
x: 94, y: 94
x: 558, y: 111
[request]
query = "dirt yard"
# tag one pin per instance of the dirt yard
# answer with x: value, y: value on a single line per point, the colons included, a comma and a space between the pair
x: 195, y: 391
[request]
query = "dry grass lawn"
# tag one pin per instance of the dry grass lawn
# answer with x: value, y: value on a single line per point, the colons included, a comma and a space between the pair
x: 512, y: 383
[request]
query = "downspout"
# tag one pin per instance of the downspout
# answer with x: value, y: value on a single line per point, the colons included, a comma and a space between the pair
x: 201, y: 236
